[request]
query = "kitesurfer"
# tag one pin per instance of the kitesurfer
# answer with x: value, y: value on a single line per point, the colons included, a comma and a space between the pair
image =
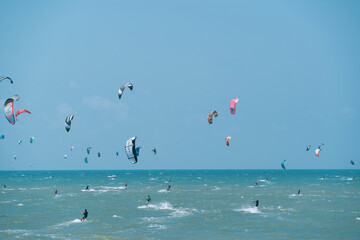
x: 299, y: 192
x: 87, y: 187
x: 85, y: 214
x: 4, y: 186
x: 125, y: 185
x: 55, y: 192
x: 256, y: 203
x: 255, y: 184
x: 168, y: 188
x: 148, y: 199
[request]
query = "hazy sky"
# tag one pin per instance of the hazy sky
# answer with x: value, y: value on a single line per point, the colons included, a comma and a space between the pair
x: 294, y: 65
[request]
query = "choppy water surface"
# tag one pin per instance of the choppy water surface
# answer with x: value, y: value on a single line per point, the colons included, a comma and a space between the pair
x: 201, y: 204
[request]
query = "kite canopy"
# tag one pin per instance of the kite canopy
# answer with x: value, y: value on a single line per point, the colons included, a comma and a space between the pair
x: 20, y: 141
x: 2, y: 136
x: 65, y: 156
x: 21, y: 111
x: 9, y: 109
x: 233, y: 103
x: 210, y: 116
x: 99, y: 154
x: 72, y: 148
x: 227, y: 141
x: 122, y: 88
x: 283, y: 164
x: 154, y: 150
x: 88, y: 150
x: 352, y: 162
x: 32, y: 139
x: 317, y: 151
x: 3, y: 78
x: 86, y: 160
x: 308, y: 148
x: 117, y: 153
x: 131, y: 151
x: 68, y: 120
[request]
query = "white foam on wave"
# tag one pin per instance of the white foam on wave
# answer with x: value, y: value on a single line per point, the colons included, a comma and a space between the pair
x: 162, y: 190
x: 111, y: 176
x: 157, y: 226
x: 175, y: 212
x: 358, y: 218
x: 90, y: 190
x: 216, y: 188
x: 295, y: 195
x: 20, y: 205
x: 116, y: 216
x: 68, y: 223
x: 248, y: 210
x: 153, y: 179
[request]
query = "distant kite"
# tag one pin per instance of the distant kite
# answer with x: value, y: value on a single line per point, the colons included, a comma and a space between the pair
x: 308, y: 148
x: 227, y: 140
x: 68, y: 120
x: 3, y: 78
x: 122, y: 88
x: 154, y: 150
x: 210, y: 116
x: 352, y: 162
x: 283, y: 164
x: 2, y: 136
x: 233, y: 103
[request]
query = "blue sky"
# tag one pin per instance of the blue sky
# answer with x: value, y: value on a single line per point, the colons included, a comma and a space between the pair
x: 294, y: 65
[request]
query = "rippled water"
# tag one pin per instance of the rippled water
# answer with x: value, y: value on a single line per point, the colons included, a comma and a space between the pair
x: 201, y: 204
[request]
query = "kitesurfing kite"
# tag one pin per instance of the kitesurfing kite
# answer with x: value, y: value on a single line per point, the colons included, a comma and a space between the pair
x: 227, y: 141
x: 65, y: 156
x: 9, y: 108
x: 283, y: 164
x: 233, y: 103
x: 99, y: 154
x: 308, y: 148
x: 72, y: 148
x: 3, y: 78
x: 86, y: 160
x: 122, y: 88
x: 68, y: 120
x: 14, y: 157
x: 2, y: 136
x: 117, y: 153
x: 21, y: 111
x: 317, y: 151
x: 19, y: 142
x: 88, y: 150
x: 154, y: 150
x: 32, y: 139
x: 210, y: 116
x: 131, y: 151
x: 352, y: 162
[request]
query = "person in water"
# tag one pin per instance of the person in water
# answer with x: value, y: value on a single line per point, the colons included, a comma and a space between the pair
x: 148, y: 199
x: 55, y: 192
x: 125, y: 185
x: 4, y: 186
x: 168, y: 188
x: 299, y: 192
x: 87, y: 187
x: 85, y: 215
x: 255, y: 184
x: 256, y: 203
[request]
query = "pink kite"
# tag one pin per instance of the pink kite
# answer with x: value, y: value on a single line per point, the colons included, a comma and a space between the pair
x: 233, y: 106
x: 21, y: 111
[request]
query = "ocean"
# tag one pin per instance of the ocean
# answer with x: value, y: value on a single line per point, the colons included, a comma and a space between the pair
x: 201, y: 204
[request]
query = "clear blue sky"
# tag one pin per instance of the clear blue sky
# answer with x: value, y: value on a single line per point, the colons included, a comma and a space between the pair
x: 294, y: 65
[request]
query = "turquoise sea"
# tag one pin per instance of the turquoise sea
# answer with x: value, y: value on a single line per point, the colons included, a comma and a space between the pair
x: 201, y: 204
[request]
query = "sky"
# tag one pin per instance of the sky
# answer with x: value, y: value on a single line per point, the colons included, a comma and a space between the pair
x: 294, y: 65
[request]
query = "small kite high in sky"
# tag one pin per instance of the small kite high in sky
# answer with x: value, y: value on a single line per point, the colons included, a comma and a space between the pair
x: 233, y: 103
x: 122, y: 88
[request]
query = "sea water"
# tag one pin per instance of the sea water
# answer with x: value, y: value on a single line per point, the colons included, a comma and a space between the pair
x: 201, y: 204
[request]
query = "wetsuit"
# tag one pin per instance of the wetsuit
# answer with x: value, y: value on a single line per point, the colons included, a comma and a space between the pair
x: 257, y: 203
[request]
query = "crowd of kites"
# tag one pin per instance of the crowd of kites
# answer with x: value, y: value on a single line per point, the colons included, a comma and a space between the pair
x: 131, y: 150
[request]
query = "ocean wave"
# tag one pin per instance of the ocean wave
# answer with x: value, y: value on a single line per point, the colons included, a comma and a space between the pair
x: 216, y: 188
x: 20, y: 205
x: 163, y: 190
x: 175, y: 212
x: 111, y: 176
x: 358, y: 218
x: 68, y: 223
x: 90, y: 190
x: 116, y: 216
x: 157, y: 226
x: 248, y: 210
x: 295, y: 195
